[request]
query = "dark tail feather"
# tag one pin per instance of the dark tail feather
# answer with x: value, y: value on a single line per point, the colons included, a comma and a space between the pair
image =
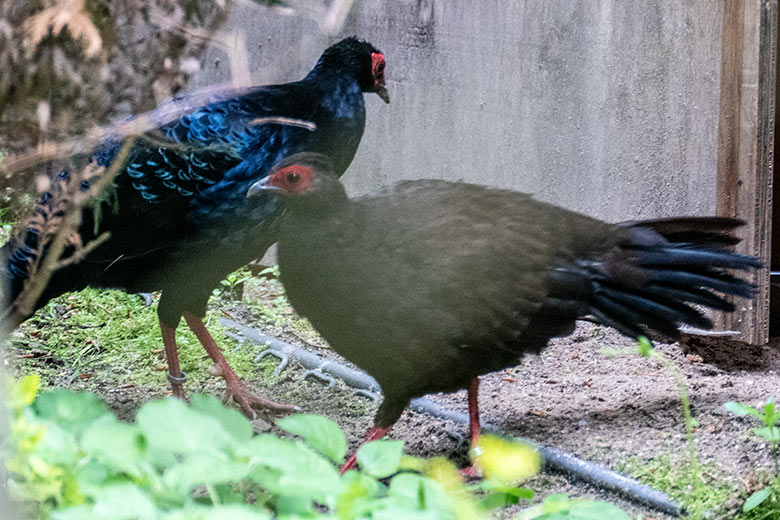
x: 694, y: 230
x: 665, y: 267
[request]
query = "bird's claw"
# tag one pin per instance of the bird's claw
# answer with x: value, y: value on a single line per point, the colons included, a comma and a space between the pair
x: 251, y: 403
x: 472, y: 472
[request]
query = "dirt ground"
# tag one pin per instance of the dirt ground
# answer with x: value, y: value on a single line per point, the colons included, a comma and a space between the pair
x: 590, y: 394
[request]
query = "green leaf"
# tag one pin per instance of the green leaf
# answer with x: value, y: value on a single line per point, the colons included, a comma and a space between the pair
x: 57, y: 446
x: 226, y: 512
x: 556, y: 502
x: 235, y: 512
x: 768, y: 433
x: 769, y: 412
x: 291, y: 468
x: 232, y: 420
x: 23, y: 391
x: 560, y: 507
x: 75, y: 513
x: 73, y: 411
x: 380, y: 458
x: 124, y: 501
x: 645, y: 346
x: 756, y: 499
x: 319, y: 432
x: 358, y: 497
x: 171, y: 426
x: 741, y: 409
x: 121, y: 446
x: 204, y: 468
x: 417, y: 493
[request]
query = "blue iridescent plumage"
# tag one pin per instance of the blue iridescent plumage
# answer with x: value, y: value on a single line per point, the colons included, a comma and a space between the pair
x: 177, y: 213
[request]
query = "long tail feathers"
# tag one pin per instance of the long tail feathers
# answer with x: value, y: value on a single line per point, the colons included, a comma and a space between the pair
x: 684, y: 262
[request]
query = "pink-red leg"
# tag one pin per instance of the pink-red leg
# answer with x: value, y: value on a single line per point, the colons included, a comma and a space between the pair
x: 175, y: 375
x: 475, y: 429
x: 248, y: 400
x: 374, y: 433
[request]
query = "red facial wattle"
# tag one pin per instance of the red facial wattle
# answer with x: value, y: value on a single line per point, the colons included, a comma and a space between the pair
x: 378, y: 73
x: 292, y: 179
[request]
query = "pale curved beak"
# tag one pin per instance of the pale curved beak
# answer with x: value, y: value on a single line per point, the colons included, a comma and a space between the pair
x: 259, y: 187
x: 381, y: 91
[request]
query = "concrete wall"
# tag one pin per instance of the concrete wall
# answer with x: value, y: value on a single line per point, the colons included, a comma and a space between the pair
x: 608, y: 107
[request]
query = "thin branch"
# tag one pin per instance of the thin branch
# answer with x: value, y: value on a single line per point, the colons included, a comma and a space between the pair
x: 82, y: 252
x: 24, y: 305
x: 137, y: 127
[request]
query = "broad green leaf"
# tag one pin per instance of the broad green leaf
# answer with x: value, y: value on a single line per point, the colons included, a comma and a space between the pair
x: 124, y: 501
x: 756, y: 499
x: 72, y: 411
x: 23, y: 391
x: 505, y: 460
x: 393, y: 511
x: 291, y: 468
x: 319, y: 432
x: 204, y: 468
x: 75, y: 513
x: 58, y: 445
x: 171, y: 426
x: 768, y: 433
x: 741, y: 409
x: 91, y: 476
x: 380, y: 458
x: 294, y: 507
x: 358, y: 497
x: 222, y: 512
x: 232, y: 420
x: 415, y: 492
x: 121, y: 446
x: 502, y: 496
x: 560, y: 507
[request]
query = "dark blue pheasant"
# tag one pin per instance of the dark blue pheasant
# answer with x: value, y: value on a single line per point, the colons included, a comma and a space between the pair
x: 178, y: 213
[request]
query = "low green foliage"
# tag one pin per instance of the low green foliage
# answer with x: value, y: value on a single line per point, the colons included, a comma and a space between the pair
x: 684, y: 482
x: 764, y: 503
x: 697, y: 501
x: 67, y: 457
x: 675, y: 477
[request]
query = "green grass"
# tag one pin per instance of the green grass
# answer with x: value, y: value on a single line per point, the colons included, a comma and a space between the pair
x: 114, y: 333
x: 674, y: 476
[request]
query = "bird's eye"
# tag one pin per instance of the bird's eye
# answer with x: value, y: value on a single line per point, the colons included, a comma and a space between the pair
x: 380, y: 68
x: 293, y: 178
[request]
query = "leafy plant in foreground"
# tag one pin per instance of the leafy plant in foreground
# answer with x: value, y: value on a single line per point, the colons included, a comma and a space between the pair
x: 769, y: 416
x: 68, y: 457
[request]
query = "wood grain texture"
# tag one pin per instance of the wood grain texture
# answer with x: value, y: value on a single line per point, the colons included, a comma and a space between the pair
x: 746, y: 146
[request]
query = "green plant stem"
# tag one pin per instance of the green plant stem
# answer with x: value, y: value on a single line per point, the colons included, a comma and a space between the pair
x: 213, y: 495
x: 683, y: 390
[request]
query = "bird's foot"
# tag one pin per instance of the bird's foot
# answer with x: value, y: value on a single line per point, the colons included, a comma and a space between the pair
x: 251, y: 403
x: 471, y: 473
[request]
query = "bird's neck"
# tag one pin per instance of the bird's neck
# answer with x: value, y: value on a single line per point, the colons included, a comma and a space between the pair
x: 326, y: 202
x: 325, y: 74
